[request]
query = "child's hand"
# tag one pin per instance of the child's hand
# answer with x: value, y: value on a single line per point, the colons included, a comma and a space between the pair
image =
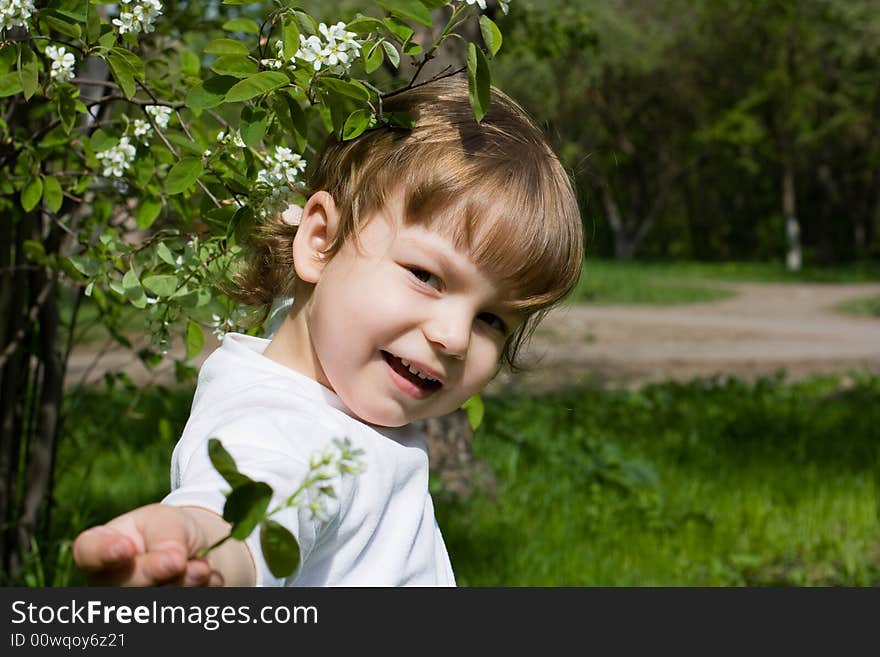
x: 150, y: 546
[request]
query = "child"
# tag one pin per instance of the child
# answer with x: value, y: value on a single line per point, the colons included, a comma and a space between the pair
x: 420, y: 264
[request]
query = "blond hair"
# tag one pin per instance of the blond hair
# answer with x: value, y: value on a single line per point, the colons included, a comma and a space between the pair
x: 495, y: 188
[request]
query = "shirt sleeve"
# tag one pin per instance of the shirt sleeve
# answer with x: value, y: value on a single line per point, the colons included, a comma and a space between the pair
x: 275, y: 450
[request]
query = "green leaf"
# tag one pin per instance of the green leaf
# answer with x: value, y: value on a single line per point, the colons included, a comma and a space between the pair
x: 165, y: 254
x: 398, y: 28
x: 31, y: 194
x: 356, y: 123
x: 300, y: 124
x: 85, y: 265
x: 244, y: 25
x: 305, y: 21
x: 253, y: 124
x: 184, y: 174
x: 491, y: 34
x: 411, y: 48
x: 246, y: 507
x: 29, y: 71
x: 10, y: 84
x: 67, y: 109
x: 53, y: 196
x: 133, y: 290
x: 224, y: 464
x: 479, y: 81
x: 195, y: 339
x: 348, y: 88
x: 235, y: 65
x: 73, y: 9
x: 162, y: 285
x: 210, y: 93
x: 93, y: 27
x: 241, y: 224
x: 280, y: 548
x: 101, y: 140
x: 372, y: 57
x: 122, y: 71
x: 408, y: 10
x: 392, y: 54
x: 34, y: 251
x: 226, y: 47
x: 190, y: 64
x: 364, y: 25
x: 147, y: 212
x: 62, y: 25
x: 475, y: 411
x: 289, y: 36
x: 255, y: 85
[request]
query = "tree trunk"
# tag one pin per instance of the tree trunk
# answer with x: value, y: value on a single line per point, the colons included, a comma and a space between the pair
x: 31, y: 386
x: 793, y: 258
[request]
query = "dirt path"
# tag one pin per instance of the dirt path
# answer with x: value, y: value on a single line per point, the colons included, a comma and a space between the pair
x: 764, y: 328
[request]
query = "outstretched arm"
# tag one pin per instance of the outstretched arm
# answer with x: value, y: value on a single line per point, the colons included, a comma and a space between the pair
x: 156, y: 545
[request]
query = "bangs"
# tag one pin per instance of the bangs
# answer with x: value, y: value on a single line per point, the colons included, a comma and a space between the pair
x: 511, y: 222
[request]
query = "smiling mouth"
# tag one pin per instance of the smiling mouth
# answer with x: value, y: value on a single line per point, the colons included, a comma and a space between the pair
x: 427, y: 384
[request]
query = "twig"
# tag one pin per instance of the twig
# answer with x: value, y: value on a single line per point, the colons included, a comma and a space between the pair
x: 442, y: 74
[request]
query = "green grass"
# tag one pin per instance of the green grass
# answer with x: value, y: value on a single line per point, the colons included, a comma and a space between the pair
x: 865, y: 306
x: 699, y: 484
x: 672, y: 283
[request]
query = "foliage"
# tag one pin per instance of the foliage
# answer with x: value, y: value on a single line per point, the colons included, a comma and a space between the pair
x: 712, y: 482
x: 679, y: 119
x: 140, y: 143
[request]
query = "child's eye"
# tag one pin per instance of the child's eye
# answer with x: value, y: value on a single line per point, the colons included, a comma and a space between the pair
x: 494, y: 322
x: 425, y: 277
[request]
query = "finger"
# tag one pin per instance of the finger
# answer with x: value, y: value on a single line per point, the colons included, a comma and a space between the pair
x: 198, y: 573
x: 101, y: 548
x: 158, y: 567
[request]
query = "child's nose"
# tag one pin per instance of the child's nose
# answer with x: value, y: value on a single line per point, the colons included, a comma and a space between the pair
x: 451, y: 334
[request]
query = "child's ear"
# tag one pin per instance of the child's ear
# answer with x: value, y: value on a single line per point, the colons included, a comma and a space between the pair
x: 317, y: 226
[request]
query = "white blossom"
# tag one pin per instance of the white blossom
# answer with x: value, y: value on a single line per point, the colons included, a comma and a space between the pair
x: 62, y: 63
x: 160, y: 113
x: 325, y: 470
x: 142, y: 130
x: 277, y: 61
x: 339, y: 47
x: 283, y: 170
x: 284, y: 167
x: 14, y: 13
x: 481, y: 3
x: 117, y: 159
x: 138, y: 16
x: 234, y: 138
x: 505, y: 6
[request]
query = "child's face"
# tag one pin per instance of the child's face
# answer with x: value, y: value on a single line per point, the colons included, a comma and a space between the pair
x: 407, y: 295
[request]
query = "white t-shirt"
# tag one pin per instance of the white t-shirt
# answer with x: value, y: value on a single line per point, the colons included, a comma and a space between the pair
x: 380, y: 530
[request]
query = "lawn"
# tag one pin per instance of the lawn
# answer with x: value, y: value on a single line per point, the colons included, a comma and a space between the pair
x: 710, y: 483
x: 672, y: 283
